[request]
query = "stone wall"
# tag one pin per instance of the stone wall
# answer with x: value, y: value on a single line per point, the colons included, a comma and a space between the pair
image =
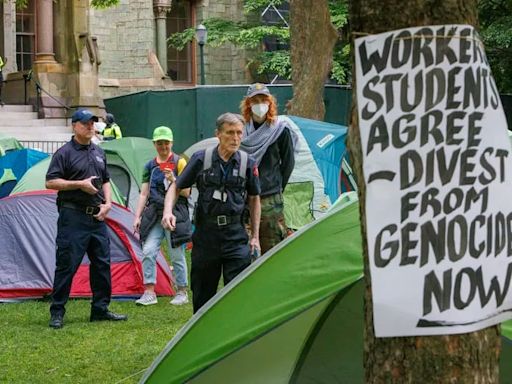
x: 126, y: 37
x: 225, y: 64
x: 126, y: 42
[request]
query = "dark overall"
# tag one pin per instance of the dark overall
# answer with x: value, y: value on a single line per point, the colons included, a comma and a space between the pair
x: 220, y: 241
x: 78, y: 232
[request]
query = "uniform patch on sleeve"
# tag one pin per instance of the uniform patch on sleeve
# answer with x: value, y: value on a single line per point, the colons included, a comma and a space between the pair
x: 255, y: 171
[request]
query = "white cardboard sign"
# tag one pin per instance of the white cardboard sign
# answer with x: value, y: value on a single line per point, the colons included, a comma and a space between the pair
x: 438, y: 170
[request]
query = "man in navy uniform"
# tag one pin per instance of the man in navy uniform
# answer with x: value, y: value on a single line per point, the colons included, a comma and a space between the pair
x: 78, y: 170
x: 225, y: 177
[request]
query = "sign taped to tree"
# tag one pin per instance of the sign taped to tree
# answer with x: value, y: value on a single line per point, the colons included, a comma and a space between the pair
x: 438, y: 174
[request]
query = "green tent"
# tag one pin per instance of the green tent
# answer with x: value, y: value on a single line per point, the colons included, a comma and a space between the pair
x: 126, y: 158
x: 125, y: 161
x: 35, y: 177
x: 296, y: 315
x: 8, y: 143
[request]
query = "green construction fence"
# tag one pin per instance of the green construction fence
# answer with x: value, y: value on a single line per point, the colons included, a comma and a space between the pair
x: 191, y: 112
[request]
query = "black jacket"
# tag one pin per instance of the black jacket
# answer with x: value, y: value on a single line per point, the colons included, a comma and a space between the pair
x: 277, y: 164
x: 152, y: 214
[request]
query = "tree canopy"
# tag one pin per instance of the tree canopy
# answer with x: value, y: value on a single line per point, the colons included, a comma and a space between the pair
x: 495, y: 27
x: 496, y: 31
x: 249, y: 34
x: 495, y: 23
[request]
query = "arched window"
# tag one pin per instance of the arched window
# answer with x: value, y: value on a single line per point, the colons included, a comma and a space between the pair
x: 25, y: 35
x: 180, y: 66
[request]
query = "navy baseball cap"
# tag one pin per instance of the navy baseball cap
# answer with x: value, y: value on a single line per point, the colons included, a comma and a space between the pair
x: 83, y: 116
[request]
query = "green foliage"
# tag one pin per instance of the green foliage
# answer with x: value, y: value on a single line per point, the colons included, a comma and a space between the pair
x: 258, y: 5
x: 276, y: 62
x: 221, y: 32
x: 341, y: 64
x: 250, y: 36
x: 20, y: 4
x: 103, y: 3
x: 496, y: 30
x: 339, y: 13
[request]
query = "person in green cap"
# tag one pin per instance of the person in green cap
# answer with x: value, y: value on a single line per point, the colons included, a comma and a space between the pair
x: 159, y: 173
x: 2, y: 65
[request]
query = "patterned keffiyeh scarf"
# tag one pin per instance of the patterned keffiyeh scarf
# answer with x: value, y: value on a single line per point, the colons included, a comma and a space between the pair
x: 256, y: 141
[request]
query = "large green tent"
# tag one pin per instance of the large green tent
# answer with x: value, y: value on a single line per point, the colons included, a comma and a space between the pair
x: 126, y: 158
x: 35, y: 177
x: 294, y: 316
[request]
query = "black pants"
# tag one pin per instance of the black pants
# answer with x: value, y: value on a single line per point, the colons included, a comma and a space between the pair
x: 78, y: 233
x: 216, y: 250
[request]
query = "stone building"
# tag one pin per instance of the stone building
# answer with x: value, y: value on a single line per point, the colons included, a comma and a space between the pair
x: 132, y: 45
x: 63, y: 53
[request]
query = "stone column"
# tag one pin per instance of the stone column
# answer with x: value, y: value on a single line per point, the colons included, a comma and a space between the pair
x: 161, y: 8
x: 44, y: 13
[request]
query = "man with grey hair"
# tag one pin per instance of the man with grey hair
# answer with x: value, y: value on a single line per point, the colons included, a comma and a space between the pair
x: 225, y: 178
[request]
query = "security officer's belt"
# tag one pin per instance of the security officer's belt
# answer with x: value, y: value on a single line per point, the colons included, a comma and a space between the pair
x: 221, y: 220
x: 89, y: 210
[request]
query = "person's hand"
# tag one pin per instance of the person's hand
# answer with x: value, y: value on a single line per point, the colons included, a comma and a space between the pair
x: 169, y: 175
x: 255, y: 247
x: 88, y: 186
x: 136, y: 225
x: 104, y: 210
x: 169, y: 222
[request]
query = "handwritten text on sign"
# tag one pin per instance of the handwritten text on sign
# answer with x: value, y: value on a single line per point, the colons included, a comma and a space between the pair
x: 438, y: 171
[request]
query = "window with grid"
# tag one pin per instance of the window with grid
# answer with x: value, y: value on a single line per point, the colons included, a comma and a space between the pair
x: 179, y: 63
x: 25, y: 36
x: 275, y: 15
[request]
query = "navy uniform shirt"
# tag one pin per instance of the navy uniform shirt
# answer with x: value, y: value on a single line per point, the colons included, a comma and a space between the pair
x: 207, y: 205
x: 74, y: 161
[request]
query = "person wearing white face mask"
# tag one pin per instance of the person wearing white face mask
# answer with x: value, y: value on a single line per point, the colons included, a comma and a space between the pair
x: 271, y: 143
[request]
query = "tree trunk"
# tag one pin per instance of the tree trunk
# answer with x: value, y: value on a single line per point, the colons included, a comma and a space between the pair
x: 466, y: 358
x: 312, y: 39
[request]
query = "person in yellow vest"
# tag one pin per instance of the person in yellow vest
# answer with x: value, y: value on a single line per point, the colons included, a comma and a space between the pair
x: 112, y: 131
x: 2, y: 64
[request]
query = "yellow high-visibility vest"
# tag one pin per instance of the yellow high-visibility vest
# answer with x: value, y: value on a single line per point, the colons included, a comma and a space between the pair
x: 112, y: 132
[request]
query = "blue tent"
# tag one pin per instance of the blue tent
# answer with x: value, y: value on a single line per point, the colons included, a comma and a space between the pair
x: 13, y: 166
x: 326, y: 142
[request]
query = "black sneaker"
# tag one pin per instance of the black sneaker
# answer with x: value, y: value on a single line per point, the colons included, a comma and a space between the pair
x: 107, y: 316
x: 56, y: 321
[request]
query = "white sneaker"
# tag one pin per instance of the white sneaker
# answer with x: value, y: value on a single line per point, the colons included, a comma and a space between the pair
x: 147, y: 299
x: 180, y: 298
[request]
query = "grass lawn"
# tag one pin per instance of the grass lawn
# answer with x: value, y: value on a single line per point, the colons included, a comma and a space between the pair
x: 84, y: 352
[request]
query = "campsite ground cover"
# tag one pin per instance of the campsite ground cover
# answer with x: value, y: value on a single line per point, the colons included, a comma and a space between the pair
x: 84, y: 352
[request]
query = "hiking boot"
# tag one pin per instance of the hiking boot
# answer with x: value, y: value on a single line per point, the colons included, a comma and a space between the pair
x: 56, y: 321
x: 180, y: 298
x: 147, y: 299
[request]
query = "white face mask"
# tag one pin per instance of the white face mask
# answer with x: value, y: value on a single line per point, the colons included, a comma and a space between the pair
x: 260, y: 110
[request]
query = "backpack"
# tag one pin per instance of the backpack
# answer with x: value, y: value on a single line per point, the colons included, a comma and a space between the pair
x: 208, y: 157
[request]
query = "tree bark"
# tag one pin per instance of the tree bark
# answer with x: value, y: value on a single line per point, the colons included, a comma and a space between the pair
x: 312, y: 39
x: 466, y: 358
